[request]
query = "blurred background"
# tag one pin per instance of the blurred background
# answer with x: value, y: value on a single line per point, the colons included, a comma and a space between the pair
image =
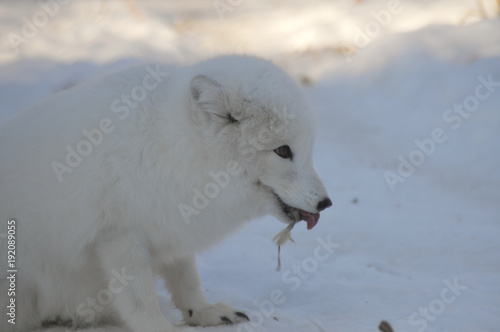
x: 407, y: 97
x: 311, y: 39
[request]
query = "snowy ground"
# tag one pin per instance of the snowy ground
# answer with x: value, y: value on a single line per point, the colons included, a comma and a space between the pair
x: 408, y: 146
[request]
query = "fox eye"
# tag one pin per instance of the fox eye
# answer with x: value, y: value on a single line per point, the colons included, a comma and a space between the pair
x: 284, y: 152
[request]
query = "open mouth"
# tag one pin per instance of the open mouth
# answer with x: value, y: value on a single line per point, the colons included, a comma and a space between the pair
x: 296, y: 214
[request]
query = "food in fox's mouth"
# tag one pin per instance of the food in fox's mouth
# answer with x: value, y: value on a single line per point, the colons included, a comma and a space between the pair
x: 285, y: 235
x: 281, y: 238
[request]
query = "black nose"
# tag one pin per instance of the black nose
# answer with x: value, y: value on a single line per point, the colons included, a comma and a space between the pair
x: 325, y: 203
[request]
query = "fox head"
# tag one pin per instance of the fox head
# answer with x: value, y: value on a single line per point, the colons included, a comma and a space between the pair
x: 254, y: 108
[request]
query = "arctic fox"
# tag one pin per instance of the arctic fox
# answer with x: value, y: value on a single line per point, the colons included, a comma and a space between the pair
x: 116, y: 181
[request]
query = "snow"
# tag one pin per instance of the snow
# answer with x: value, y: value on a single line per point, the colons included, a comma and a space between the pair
x: 422, y: 254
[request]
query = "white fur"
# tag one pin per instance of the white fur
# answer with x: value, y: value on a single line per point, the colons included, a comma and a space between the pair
x: 120, y: 211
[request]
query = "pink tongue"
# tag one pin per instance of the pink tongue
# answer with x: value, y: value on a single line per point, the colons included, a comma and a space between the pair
x: 311, y: 218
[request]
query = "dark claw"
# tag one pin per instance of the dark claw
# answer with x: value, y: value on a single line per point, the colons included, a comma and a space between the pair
x: 190, y: 312
x: 242, y: 315
x: 226, y: 320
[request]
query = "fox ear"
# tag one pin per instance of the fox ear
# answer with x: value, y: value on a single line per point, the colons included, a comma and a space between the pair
x: 211, y: 99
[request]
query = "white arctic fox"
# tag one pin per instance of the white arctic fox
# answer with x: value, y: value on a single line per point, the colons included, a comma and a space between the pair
x: 113, y: 182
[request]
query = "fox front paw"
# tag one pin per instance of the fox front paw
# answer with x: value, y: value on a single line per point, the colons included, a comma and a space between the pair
x: 217, y: 314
